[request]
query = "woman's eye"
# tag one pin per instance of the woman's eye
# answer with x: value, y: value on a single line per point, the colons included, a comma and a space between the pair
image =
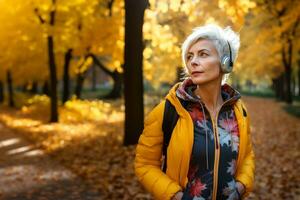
x: 203, y: 54
x: 189, y: 57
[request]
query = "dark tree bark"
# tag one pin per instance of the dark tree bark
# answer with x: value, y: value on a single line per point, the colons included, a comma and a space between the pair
x: 299, y: 75
x: 282, y: 92
x: 34, y: 88
x: 80, y: 79
x: 24, y: 87
x: 293, y: 86
x: 11, y: 101
x: 1, y: 92
x: 94, y: 78
x: 45, y: 89
x: 79, y: 84
x: 133, y: 73
x: 287, y: 61
x: 52, y: 69
x: 66, y: 76
x: 278, y: 87
x: 52, y: 65
x: 299, y: 80
x: 117, y: 87
x: 275, y: 87
x: 53, y: 81
x: 109, y: 6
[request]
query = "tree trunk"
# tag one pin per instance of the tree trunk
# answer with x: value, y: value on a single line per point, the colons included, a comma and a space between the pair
x: 45, y: 89
x: 80, y: 79
x: 109, y: 6
x: 11, y: 101
x: 117, y: 79
x: 79, y: 84
x: 34, y: 88
x: 52, y: 69
x: 66, y: 77
x: 287, y: 37
x: 278, y: 86
x: 275, y: 87
x: 24, y: 87
x: 293, y: 86
x: 287, y: 62
x: 299, y: 76
x: 1, y: 92
x: 281, y: 85
x: 117, y: 86
x: 288, y: 90
x: 94, y: 78
x: 53, y: 81
x: 133, y: 70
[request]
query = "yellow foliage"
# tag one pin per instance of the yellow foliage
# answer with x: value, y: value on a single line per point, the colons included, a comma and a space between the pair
x: 263, y: 41
x: 87, y: 26
x: 82, y: 110
x: 27, y: 53
x: 167, y: 23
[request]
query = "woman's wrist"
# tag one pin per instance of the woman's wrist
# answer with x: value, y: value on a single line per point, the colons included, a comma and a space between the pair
x: 238, y: 193
x: 240, y: 188
x: 177, y: 196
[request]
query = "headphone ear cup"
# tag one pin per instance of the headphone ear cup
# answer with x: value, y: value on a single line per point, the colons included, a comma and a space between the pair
x: 226, y: 65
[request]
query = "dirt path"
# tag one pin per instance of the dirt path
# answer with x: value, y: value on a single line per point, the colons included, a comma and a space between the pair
x: 276, y: 139
x: 27, y: 173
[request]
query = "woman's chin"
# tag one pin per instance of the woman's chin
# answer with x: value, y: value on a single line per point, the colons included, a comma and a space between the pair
x: 199, y: 81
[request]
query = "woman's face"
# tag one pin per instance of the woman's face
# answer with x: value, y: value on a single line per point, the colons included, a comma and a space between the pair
x: 203, y: 62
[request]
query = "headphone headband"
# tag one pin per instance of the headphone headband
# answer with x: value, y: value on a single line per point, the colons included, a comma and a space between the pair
x: 230, y: 55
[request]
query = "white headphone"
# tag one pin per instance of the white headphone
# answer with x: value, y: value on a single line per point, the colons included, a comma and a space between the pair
x: 226, y: 62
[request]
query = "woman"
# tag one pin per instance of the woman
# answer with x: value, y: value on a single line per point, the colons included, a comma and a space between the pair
x: 210, y: 153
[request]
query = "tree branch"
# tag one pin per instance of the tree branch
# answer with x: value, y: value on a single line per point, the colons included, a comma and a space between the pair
x: 109, y: 6
x: 36, y: 10
x: 100, y: 64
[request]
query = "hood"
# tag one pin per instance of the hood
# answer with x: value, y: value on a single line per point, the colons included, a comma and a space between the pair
x: 186, y: 88
x: 227, y: 93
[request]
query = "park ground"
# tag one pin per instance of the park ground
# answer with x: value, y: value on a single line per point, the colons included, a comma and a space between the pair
x: 82, y: 157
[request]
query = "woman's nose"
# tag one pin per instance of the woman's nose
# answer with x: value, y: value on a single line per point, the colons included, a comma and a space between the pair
x: 194, y: 62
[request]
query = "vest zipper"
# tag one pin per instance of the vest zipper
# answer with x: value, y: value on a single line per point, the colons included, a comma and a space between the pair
x: 217, y: 153
x: 217, y: 158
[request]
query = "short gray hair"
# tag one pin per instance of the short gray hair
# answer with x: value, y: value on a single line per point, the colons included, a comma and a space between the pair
x: 218, y: 36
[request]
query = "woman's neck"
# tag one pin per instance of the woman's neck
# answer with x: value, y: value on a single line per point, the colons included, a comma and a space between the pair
x: 210, y: 94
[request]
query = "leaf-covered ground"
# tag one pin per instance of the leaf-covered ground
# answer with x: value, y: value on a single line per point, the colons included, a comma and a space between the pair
x: 27, y: 173
x: 88, y: 140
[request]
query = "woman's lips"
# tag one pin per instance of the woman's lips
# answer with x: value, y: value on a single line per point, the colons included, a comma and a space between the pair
x: 196, y: 73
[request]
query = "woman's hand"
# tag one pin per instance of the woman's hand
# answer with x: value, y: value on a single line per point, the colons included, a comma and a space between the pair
x: 177, y: 196
x: 240, y: 188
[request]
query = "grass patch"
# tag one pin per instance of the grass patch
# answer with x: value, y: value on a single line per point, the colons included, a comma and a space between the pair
x: 293, y: 109
x: 95, y: 94
x: 264, y: 94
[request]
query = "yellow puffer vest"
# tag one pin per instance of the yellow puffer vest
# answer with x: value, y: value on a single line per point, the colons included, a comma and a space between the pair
x: 149, y: 151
